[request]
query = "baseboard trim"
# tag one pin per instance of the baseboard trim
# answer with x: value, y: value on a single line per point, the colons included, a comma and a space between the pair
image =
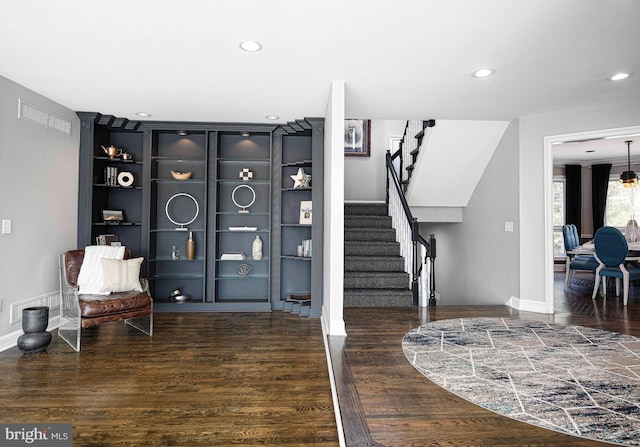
x: 527, y: 305
x: 10, y: 340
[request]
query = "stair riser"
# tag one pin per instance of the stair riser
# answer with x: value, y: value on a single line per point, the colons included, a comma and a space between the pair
x: 371, y: 250
x: 377, y: 301
x: 379, y: 265
x: 356, y: 222
x: 367, y: 209
x: 370, y: 235
x: 399, y: 282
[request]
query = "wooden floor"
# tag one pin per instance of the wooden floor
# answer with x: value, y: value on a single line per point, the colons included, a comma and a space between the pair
x: 226, y: 379
x: 218, y: 379
x: 385, y: 402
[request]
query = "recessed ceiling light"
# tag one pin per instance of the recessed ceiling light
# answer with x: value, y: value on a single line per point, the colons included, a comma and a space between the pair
x: 272, y: 117
x: 483, y: 72
x: 183, y: 133
x: 245, y: 134
x: 619, y: 76
x: 250, y: 45
x: 145, y: 114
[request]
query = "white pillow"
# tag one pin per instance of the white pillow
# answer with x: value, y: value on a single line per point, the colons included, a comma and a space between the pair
x: 120, y: 275
x: 90, y: 275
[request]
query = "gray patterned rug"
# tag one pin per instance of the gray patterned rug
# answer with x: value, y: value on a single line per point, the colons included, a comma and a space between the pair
x: 572, y: 379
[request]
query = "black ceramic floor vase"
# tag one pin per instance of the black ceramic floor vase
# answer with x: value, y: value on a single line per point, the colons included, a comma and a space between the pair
x: 34, y: 325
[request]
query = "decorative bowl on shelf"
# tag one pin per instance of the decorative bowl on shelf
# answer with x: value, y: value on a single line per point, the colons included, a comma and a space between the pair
x: 181, y: 175
x: 178, y: 296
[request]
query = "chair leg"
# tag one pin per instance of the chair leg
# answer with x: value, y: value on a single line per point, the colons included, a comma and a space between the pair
x: 567, y: 274
x: 570, y: 276
x: 595, y: 286
x: 617, y: 286
x: 625, y: 289
x: 143, y: 324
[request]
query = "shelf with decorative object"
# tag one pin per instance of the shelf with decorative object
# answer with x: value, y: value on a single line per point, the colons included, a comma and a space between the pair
x: 178, y: 200
x: 213, y: 182
x: 298, y: 184
x: 241, y: 269
x: 111, y: 178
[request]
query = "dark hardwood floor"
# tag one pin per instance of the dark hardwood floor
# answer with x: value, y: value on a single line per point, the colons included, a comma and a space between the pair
x: 233, y: 379
x: 385, y: 402
x: 203, y: 379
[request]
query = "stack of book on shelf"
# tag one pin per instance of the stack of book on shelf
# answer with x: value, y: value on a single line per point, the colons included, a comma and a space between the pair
x: 232, y: 256
x: 111, y: 176
x: 306, y: 248
x: 107, y: 239
x: 299, y: 297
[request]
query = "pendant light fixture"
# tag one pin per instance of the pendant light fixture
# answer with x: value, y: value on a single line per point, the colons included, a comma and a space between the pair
x: 629, y: 178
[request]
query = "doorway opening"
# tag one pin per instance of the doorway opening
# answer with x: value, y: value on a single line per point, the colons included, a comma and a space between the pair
x: 549, y: 142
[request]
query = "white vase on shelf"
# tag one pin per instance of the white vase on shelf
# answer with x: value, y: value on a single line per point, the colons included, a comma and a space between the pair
x: 256, y: 248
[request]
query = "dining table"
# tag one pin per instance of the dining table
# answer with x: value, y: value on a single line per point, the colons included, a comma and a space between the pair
x: 589, y: 248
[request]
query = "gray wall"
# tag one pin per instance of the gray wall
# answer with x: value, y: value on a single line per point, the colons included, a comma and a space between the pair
x: 477, y: 260
x: 533, y: 130
x: 365, y: 178
x: 38, y: 192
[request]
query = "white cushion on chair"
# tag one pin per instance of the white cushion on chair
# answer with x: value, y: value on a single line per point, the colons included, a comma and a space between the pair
x: 120, y: 275
x: 90, y: 279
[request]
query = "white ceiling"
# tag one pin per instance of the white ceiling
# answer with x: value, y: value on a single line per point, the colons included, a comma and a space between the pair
x: 601, y: 150
x: 402, y: 59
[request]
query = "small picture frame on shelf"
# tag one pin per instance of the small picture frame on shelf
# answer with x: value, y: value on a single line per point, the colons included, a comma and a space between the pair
x: 306, y: 212
x: 357, y: 137
x: 112, y: 216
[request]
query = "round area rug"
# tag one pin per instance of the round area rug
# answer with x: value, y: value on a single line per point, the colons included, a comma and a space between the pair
x: 572, y: 379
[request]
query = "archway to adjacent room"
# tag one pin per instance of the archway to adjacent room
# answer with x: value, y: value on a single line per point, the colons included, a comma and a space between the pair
x: 549, y: 143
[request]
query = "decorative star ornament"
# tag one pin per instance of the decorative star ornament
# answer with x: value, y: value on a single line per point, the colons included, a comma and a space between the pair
x: 301, y: 180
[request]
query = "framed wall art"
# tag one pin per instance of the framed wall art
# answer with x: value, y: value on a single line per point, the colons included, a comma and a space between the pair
x: 357, y: 137
x: 112, y: 216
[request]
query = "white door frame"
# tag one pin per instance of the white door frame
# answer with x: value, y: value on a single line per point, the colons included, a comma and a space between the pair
x: 548, y: 197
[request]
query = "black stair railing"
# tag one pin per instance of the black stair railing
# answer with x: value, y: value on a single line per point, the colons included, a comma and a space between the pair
x: 405, y: 157
x: 409, y: 237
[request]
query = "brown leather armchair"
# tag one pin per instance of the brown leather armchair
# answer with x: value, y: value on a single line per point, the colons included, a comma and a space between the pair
x: 78, y: 311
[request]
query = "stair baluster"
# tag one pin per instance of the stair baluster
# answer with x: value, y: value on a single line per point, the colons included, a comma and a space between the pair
x: 408, y: 235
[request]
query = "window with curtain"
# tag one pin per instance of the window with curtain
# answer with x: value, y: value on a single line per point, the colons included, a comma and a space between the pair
x: 559, y: 198
x: 622, y: 204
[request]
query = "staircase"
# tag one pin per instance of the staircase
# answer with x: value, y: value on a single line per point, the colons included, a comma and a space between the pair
x: 374, y: 273
x: 414, y: 133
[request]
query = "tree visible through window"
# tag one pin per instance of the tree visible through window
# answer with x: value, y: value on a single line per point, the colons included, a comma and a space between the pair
x: 622, y: 204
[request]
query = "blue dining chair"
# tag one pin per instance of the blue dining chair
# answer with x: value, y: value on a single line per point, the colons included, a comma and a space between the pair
x: 575, y: 261
x: 611, y: 251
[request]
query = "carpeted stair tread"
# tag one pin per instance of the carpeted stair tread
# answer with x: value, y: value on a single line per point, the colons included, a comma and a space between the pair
x: 368, y: 209
x: 374, y: 263
x: 358, y: 222
x: 377, y: 298
x: 376, y: 280
x: 371, y: 248
x: 370, y: 234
